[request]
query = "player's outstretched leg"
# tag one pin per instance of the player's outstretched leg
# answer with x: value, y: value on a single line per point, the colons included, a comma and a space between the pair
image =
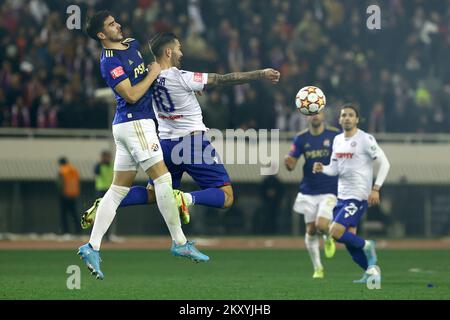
x: 105, y: 215
x: 92, y: 259
x: 188, y: 250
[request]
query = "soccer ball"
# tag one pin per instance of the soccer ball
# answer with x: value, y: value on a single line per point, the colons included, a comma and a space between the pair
x: 310, y: 100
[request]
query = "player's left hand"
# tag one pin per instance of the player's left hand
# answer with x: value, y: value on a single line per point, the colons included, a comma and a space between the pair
x: 272, y: 75
x: 374, y: 198
x: 198, y: 93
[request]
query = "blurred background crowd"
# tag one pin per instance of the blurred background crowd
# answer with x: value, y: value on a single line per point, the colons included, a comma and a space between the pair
x: 399, y: 75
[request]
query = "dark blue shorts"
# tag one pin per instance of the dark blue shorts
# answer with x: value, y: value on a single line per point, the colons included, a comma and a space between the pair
x: 348, y: 212
x: 196, y: 156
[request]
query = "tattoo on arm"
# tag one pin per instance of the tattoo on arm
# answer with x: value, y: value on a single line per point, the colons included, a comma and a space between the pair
x: 234, y: 78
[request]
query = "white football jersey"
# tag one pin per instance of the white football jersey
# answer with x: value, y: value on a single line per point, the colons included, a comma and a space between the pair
x: 175, y: 104
x: 353, y: 159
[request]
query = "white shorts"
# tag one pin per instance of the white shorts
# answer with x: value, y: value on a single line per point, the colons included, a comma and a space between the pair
x: 311, y: 207
x: 137, y: 144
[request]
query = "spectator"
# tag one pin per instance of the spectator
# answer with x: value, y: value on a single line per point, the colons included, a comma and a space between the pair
x: 326, y: 47
x: 69, y: 190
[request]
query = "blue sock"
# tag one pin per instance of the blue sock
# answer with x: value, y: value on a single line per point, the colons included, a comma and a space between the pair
x: 213, y: 197
x: 352, y: 240
x: 358, y: 256
x: 136, y: 196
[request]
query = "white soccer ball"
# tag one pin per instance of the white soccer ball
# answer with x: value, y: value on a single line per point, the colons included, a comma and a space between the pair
x: 310, y: 100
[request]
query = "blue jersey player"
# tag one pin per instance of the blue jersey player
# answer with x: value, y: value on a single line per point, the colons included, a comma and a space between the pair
x: 137, y: 144
x: 180, y: 121
x: 317, y: 196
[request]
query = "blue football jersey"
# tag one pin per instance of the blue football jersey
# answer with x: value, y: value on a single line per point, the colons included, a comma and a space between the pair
x: 118, y: 65
x: 315, y: 149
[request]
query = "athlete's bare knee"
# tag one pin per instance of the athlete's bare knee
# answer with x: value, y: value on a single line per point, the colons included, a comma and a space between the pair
x: 322, y: 225
x: 336, y: 231
x: 124, y: 178
x: 157, y: 170
x: 229, y: 198
x: 311, y: 229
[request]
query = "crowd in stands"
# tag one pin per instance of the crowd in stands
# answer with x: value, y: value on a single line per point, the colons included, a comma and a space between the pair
x: 399, y: 75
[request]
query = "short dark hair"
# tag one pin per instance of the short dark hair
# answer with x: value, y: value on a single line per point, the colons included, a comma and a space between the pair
x: 62, y: 160
x: 95, y: 24
x: 158, y: 42
x: 351, y: 106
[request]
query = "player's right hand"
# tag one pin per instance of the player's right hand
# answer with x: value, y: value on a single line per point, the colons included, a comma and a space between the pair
x: 154, y: 68
x: 272, y: 75
x: 317, y: 167
x: 288, y: 163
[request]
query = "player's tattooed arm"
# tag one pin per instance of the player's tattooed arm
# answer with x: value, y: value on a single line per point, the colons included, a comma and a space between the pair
x: 235, y: 78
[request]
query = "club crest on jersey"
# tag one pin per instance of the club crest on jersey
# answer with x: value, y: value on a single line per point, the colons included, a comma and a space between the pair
x: 353, y: 144
x: 326, y: 143
x: 154, y: 147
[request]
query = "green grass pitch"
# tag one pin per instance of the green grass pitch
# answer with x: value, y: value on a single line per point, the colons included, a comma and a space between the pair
x: 231, y: 274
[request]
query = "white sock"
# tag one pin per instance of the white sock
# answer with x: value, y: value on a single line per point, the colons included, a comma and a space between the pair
x: 312, y: 244
x: 189, y: 200
x: 106, y: 212
x: 168, y: 207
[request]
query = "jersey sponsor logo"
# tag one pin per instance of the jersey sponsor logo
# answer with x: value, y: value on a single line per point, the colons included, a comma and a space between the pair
x: 140, y: 69
x: 163, y: 117
x: 198, y: 77
x: 321, y: 153
x: 345, y: 155
x: 117, y: 72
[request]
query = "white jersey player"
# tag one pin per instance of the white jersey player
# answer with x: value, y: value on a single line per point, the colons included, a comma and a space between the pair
x: 354, y: 153
x: 180, y: 120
